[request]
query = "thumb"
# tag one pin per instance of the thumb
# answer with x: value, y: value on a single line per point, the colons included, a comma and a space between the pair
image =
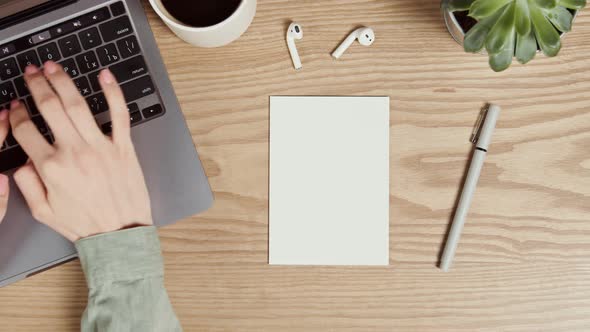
x: 4, y: 191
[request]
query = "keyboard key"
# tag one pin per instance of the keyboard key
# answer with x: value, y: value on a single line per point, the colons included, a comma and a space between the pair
x: 7, y: 92
x: 129, y: 69
x: 118, y: 8
x: 21, y: 87
x: 128, y: 46
x: 90, y: 38
x: 12, y: 158
x: 31, y: 106
x: 96, y: 16
x: 69, y: 46
x: 65, y: 28
x: 10, y: 140
x: 116, y: 28
x: 28, y: 58
x: 135, y: 117
x: 40, y: 37
x: 49, y: 52
x: 97, y: 103
x: 107, y: 54
x: 83, y: 86
x: 70, y: 67
x: 87, y: 62
x: 93, y: 78
x: 152, y: 111
x: 132, y: 107
x: 7, y: 49
x: 41, y: 125
x: 138, y: 88
x: 8, y: 69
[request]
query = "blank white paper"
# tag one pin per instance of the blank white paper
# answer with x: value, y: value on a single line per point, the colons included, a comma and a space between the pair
x: 329, y: 181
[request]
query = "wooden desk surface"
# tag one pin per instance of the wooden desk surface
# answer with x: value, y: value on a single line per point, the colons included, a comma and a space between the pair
x: 523, y: 262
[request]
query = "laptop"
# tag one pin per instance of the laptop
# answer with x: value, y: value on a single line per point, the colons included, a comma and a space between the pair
x: 86, y: 36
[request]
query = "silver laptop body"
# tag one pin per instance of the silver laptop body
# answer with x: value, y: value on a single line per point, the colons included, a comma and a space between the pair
x: 113, y: 34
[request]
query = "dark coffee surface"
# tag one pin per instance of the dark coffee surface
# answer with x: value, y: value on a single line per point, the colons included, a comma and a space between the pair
x: 201, y: 13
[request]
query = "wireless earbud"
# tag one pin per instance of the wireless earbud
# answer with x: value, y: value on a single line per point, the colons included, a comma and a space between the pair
x: 365, y: 36
x: 294, y: 32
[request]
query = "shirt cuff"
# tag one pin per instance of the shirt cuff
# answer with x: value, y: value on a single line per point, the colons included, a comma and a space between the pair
x: 125, y: 255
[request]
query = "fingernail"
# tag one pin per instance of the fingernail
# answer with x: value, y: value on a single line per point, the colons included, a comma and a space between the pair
x: 14, y: 103
x: 50, y: 67
x: 107, y: 77
x: 31, y: 69
x: 3, y: 185
x: 3, y: 115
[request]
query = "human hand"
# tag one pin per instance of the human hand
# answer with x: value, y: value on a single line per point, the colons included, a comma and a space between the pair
x: 86, y: 183
x: 4, y: 187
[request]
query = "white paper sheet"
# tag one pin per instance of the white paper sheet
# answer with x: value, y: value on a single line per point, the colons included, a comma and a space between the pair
x: 329, y: 181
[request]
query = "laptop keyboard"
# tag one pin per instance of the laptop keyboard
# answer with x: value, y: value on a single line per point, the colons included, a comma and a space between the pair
x: 83, y: 46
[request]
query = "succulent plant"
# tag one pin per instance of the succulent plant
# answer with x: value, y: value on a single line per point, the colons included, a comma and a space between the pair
x: 508, y: 28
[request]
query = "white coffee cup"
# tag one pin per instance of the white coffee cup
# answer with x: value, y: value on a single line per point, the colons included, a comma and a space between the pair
x: 216, y: 35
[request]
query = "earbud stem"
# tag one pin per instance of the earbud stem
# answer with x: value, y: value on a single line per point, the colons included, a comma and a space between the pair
x: 345, y: 45
x: 294, y: 54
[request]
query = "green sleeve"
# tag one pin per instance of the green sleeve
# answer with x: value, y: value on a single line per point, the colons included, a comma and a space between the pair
x: 125, y: 277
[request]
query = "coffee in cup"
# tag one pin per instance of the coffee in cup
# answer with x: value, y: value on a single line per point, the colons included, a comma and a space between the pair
x: 206, y: 23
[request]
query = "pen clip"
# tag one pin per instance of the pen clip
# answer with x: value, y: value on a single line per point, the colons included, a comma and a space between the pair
x: 479, y: 124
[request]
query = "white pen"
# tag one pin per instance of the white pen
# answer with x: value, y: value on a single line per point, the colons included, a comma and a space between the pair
x: 481, y: 137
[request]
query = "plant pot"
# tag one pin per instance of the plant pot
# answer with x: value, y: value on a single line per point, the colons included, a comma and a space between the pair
x: 456, y: 30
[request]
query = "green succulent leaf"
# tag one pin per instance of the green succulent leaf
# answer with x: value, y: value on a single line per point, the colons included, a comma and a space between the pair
x: 523, y: 20
x: 526, y: 47
x: 458, y: 5
x: 547, y: 4
x: 484, y: 8
x: 516, y: 28
x: 476, y: 37
x: 501, y: 61
x: 561, y: 18
x: 573, y: 4
x: 502, y: 33
x: 547, y: 36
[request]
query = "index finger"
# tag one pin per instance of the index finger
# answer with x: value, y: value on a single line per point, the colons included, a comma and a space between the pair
x: 117, y: 106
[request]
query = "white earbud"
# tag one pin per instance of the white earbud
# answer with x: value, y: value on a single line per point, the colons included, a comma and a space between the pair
x: 294, y: 32
x: 366, y: 37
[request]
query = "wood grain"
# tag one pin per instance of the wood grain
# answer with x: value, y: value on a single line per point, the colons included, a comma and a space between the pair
x: 522, y: 264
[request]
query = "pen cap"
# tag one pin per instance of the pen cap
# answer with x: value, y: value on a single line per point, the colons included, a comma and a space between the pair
x: 485, y: 135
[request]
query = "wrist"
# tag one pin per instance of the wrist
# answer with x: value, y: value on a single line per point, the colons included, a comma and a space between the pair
x: 106, y: 229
